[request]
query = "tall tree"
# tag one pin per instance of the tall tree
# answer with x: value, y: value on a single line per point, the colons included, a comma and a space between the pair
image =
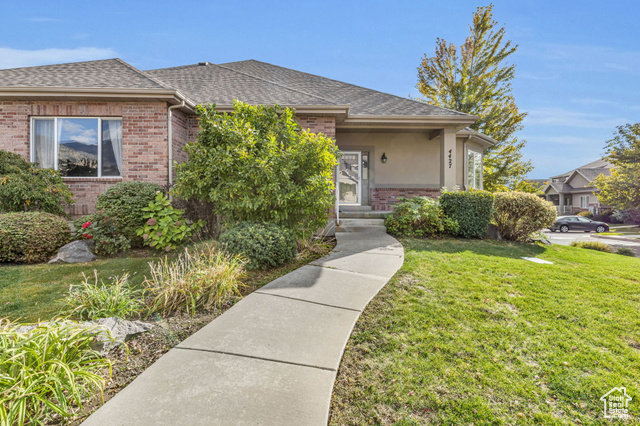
x: 477, y: 81
x: 622, y: 189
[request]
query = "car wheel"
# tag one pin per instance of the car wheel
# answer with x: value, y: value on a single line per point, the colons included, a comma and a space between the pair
x: 564, y: 228
x: 600, y: 229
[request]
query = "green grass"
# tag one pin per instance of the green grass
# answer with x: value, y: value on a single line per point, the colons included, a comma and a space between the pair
x: 469, y: 333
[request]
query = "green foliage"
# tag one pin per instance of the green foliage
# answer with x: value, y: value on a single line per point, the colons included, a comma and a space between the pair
x: 470, y: 209
x: 123, y: 202
x: 625, y: 251
x: 519, y: 214
x: 50, y: 370
x: 266, y: 245
x: 479, y: 83
x: 419, y: 217
x: 197, y: 279
x: 592, y: 245
x: 24, y: 187
x: 99, y: 300
x: 585, y: 213
x: 102, y: 231
x: 256, y: 165
x: 31, y: 237
x: 165, y: 227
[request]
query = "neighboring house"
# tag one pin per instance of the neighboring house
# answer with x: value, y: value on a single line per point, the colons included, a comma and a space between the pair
x: 101, y: 122
x: 573, y: 192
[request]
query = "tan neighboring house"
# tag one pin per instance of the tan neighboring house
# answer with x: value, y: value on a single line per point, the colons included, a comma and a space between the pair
x: 574, y: 191
x: 102, y: 122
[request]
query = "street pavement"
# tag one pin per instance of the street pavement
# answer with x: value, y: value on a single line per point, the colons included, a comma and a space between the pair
x: 567, y: 238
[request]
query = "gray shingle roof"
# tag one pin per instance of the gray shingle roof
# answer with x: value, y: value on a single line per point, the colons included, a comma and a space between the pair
x: 214, y: 84
x: 600, y: 164
x: 363, y: 101
x: 108, y: 73
x: 592, y: 173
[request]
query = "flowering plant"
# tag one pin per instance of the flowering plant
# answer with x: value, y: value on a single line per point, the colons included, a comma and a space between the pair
x: 103, y: 232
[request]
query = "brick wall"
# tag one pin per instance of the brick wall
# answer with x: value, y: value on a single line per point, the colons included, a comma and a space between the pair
x: 385, y: 198
x: 326, y: 125
x: 180, y: 129
x: 144, y: 151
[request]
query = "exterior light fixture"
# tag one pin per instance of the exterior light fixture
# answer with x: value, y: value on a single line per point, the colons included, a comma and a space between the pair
x: 383, y: 158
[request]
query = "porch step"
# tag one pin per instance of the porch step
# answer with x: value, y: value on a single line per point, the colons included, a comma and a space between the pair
x: 355, y: 208
x: 372, y: 214
x: 361, y: 225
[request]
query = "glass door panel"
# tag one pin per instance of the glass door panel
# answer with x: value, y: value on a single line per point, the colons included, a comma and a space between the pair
x: 349, y: 178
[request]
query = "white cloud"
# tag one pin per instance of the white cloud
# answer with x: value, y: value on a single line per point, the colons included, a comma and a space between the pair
x: 15, y: 58
x: 570, y: 118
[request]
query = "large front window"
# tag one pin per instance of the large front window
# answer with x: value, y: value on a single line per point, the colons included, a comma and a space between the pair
x: 79, y: 147
x: 474, y: 170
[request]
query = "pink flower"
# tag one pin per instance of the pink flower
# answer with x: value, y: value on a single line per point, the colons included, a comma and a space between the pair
x: 159, y: 234
x: 86, y: 225
x: 145, y: 236
x: 167, y: 249
x: 152, y: 222
x: 87, y: 236
x: 104, y: 242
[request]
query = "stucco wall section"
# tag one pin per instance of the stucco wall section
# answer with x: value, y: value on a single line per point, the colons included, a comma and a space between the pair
x: 144, y: 151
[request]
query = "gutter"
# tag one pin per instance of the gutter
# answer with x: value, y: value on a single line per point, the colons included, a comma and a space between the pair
x: 170, y: 139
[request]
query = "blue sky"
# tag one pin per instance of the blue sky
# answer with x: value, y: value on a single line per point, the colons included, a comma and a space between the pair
x: 578, y: 64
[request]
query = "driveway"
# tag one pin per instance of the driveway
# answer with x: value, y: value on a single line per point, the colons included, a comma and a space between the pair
x: 568, y: 237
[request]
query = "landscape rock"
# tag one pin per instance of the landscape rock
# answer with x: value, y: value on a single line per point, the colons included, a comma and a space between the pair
x: 110, y: 332
x: 74, y: 252
x: 493, y: 232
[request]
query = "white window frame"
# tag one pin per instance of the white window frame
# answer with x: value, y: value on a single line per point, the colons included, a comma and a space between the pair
x: 468, y: 169
x: 584, y: 201
x: 32, y: 152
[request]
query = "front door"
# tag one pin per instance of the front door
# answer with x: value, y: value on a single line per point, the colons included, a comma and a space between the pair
x: 350, y: 178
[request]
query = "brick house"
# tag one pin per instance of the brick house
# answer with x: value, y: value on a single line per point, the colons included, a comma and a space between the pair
x: 102, y: 122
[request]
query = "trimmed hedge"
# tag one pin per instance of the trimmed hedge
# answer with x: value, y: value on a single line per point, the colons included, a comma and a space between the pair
x: 419, y: 217
x: 123, y: 202
x: 471, y: 209
x: 31, y: 237
x: 519, y: 214
x: 265, y: 245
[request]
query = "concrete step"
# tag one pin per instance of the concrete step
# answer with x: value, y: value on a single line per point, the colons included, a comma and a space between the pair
x: 361, y: 225
x: 355, y: 208
x: 373, y: 214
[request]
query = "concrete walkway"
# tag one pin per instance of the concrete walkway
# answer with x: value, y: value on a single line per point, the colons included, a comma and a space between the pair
x: 272, y: 358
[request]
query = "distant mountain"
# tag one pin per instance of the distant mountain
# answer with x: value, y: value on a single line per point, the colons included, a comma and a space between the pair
x: 82, y: 147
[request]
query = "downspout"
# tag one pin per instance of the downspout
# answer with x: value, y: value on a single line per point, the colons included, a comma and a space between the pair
x: 170, y: 141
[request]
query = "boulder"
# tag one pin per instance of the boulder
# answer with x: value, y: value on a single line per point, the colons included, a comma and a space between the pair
x: 493, y: 233
x: 74, y: 252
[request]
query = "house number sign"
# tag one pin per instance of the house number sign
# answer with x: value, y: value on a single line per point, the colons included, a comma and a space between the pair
x: 450, y: 158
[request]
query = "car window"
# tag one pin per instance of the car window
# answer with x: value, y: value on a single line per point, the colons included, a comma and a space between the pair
x: 583, y: 219
x: 572, y: 219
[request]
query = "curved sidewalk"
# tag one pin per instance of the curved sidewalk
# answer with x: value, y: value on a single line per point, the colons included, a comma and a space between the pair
x: 273, y: 357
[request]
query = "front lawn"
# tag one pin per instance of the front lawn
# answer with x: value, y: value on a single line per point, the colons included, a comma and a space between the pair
x: 467, y: 332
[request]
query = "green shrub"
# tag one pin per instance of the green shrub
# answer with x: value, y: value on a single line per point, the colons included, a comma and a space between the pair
x: 123, y: 202
x: 197, y: 279
x: 165, y: 227
x: 592, y: 245
x: 103, y: 232
x: 49, y: 370
x: 93, y: 301
x: 266, y: 245
x: 419, y: 217
x: 520, y: 214
x: 625, y: 251
x: 257, y: 165
x: 470, y: 209
x: 585, y: 213
x: 31, y: 237
x: 24, y: 187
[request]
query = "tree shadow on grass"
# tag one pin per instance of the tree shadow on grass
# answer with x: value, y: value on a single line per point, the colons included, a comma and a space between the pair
x: 481, y: 247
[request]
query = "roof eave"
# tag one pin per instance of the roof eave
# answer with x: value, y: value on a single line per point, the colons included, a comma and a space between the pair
x: 415, y: 121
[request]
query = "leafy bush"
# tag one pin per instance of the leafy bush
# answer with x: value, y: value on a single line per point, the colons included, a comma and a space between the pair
x: 31, y: 237
x: 103, y: 232
x: 93, y: 301
x: 470, y: 209
x: 519, y: 214
x: 420, y: 217
x: 629, y: 216
x: 123, y: 202
x: 197, y: 279
x: 48, y: 370
x: 24, y: 187
x: 165, y: 227
x: 202, y: 211
x: 625, y: 251
x: 605, y: 216
x: 585, y: 213
x: 266, y: 245
x: 592, y: 245
x: 256, y: 165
